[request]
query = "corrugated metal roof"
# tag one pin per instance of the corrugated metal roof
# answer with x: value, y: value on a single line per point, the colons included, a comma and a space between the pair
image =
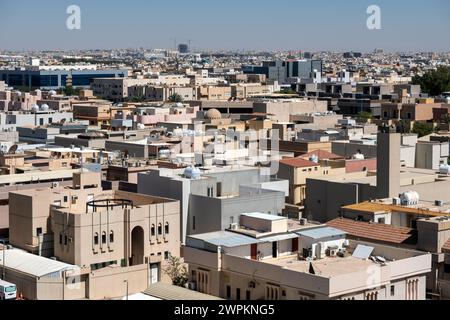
x: 32, y: 264
x: 223, y: 238
x: 324, y: 232
x: 170, y: 292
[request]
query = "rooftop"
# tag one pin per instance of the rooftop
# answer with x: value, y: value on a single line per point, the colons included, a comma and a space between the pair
x: 323, y: 232
x: 165, y: 291
x: 376, y: 231
x: 33, y: 264
x: 298, y: 163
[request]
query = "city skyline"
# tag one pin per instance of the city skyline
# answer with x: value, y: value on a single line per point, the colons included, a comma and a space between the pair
x: 260, y: 26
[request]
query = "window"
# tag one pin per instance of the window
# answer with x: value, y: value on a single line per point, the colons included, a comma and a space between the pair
x: 193, y: 223
x: 74, y: 199
x: 228, y: 292
x: 272, y: 292
x: 65, y: 240
x: 152, y: 230
x: 392, y: 291
x: 166, y: 228
x: 248, y: 295
x: 210, y: 192
x: 96, y: 239
x: 203, y: 281
x: 238, y: 294
x: 111, y: 237
x: 159, y: 229
x: 103, y: 237
x: 38, y: 231
x: 65, y: 199
x: 447, y: 268
x: 166, y: 255
x: 60, y: 238
x: 381, y: 220
x: 41, y: 121
x: 50, y: 120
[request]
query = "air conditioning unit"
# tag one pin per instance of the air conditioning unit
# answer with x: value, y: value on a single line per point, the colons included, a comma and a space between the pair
x: 234, y: 226
x: 439, y: 203
x: 192, y: 286
x: 396, y: 201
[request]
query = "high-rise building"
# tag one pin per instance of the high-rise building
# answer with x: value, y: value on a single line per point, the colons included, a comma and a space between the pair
x: 183, y: 48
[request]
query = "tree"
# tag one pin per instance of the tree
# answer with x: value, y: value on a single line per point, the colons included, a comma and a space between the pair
x: 139, y: 98
x: 175, y: 98
x: 434, y: 82
x: 287, y: 91
x: 365, y: 116
x: 176, y: 270
x: 422, y: 129
x: 70, y: 91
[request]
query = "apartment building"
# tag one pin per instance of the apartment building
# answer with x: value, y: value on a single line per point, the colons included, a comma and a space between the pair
x: 408, y: 111
x: 297, y: 170
x: 110, y: 236
x: 115, y: 89
x: 266, y: 257
x: 212, y: 198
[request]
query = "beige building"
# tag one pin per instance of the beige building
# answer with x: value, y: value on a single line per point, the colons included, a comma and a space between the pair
x: 297, y: 170
x: 273, y: 258
x: 111, y: 236
x: 214, y: 93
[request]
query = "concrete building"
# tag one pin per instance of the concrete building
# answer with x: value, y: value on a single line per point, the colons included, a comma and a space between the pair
x: 211, y: 199
x: 431, y: 155
x: 284, y: 109
x: 9, y: 121
x: 273, y: 258
x: 55, y: 77
x: 297, y: 170
x: 115, y: 89
x: 407, y: 111
x: 111, y: 236
x: 326, y: 196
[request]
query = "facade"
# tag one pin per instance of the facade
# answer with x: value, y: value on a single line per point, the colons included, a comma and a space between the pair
x: 272, y: 258
x: 215, y: 198
x: 110, y: 236
x: 54, y: 78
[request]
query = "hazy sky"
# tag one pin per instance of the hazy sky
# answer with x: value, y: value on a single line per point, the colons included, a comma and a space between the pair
x: 228, y: 24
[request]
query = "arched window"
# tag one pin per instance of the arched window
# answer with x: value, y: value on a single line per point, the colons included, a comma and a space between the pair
x: 111, y: 236
x: 96, y: 238
x: 152, y: 230
x: 103, y: 237
x: 166, y: 228
x: 159, y: 229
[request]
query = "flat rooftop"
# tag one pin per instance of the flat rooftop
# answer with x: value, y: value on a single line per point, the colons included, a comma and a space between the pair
x: 327, y: 267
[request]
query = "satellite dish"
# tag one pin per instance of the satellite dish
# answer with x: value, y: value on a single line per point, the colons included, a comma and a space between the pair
x: 13, y: 149
x: 63, y: 121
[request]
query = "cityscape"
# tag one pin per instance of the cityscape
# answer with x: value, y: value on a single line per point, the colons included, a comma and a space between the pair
x: 196, y: 171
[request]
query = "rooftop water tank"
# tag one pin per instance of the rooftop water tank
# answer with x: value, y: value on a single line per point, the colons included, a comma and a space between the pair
x: 409, y: 198
x: 45, y: 107
x: 358, y: 156
x: 192, y: 172
x: 444, y: 169
x: 34, y: 108
x: 52, y: 92
x: 314, y: 158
